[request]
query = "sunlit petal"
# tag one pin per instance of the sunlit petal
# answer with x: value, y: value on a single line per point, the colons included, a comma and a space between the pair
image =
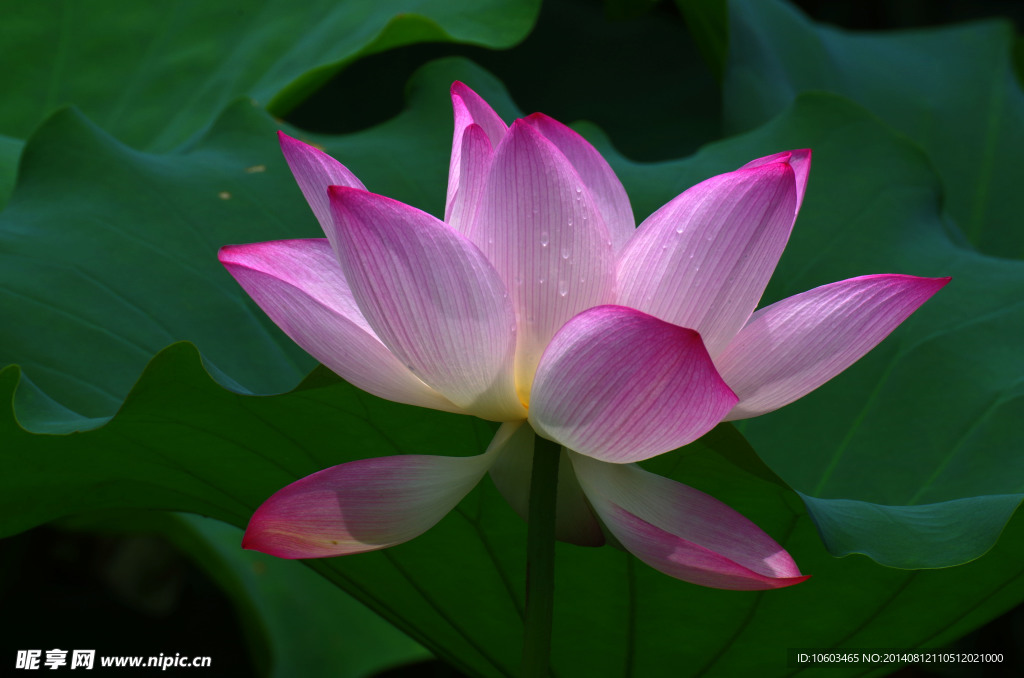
x: 795, y: 345
x: 546, y: 238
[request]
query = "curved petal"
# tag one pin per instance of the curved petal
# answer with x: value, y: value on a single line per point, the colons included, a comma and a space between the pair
x: 363, y: 505
x: 683, y: 532
x: 574, y: 521
x: 299, y: 284
x: 537, y: 225
x: 469, y: 109
x: 620, y: 385
x: 799, y: 160
x: 703, y: 260
x: 795, y: 345
x: 476, y: 160
x: 597, y: 175
x: 314, y: 171
x: 432, y: 298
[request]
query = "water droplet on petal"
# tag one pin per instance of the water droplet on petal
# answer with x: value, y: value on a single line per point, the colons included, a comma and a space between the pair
x: 544, y: 239
x: 566, y: 251
x: 563, y: 288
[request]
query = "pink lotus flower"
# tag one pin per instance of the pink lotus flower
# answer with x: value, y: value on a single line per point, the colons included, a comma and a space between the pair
x: 537, y: 303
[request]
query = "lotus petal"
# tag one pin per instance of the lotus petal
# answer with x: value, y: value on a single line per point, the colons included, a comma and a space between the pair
x: 703, y: 260
x: 300, y: 286
x: 620, y: 385
x: 795, y: 345
x: 539, y: 227
x: 432, y: 298
x: 683, y: 532
x: 363, y: 505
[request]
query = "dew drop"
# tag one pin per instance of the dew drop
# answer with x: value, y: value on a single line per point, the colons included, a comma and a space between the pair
x: 566, y: 251
x: 544, y: 239
x: 680, y: 228
x: 563, y: 288
x: 570, y: 221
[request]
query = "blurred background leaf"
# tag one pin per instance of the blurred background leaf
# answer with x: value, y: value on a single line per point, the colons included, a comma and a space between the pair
x: 153, y: 75
x: 953, y: 90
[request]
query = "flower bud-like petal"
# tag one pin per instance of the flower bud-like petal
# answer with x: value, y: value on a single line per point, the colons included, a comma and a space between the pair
x: 620, y: 385
x: 469, y: 109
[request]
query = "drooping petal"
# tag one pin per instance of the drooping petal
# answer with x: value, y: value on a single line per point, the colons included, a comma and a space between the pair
x: 799, y: 160
x: 476, y: 161
x: 574, y: 521
x: 683, y: 532
x: 363, y: 505
x: 795, y: 345
x: 314, y: 171
x: 540, y: 229
x: 300, y: 286
x: 620, y: 385
x: 597, y: 175
x: 469, y: 109
x: 432, y: 298
x: 703, y: 260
